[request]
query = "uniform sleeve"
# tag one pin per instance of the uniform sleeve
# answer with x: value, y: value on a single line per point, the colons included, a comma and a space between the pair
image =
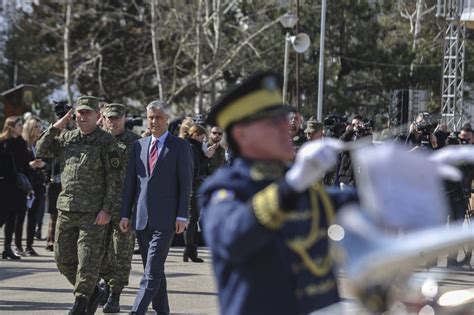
x: 112, y: 162
x: 49, y: 143
x: 185, y: 179
x: 231, y: 227
x: 130, y: 184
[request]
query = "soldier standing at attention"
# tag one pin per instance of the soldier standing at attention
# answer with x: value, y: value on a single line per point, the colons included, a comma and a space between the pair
x: 117, y: 260
x: 266, y: 225
x: 90, y: 178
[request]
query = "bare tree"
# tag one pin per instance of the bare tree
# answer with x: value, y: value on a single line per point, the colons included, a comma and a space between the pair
x: 67, y: 78
x: 156, y: 48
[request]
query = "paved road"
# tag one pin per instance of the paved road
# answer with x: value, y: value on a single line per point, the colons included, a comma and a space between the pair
x: 34, y: 286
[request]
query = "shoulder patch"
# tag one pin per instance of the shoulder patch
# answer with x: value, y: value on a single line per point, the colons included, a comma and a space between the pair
x: 114, y: 159
x: 221, y: 195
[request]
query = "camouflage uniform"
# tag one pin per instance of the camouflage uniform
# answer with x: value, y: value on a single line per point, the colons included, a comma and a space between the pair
x: 90, y: 167
x: 117, y: 260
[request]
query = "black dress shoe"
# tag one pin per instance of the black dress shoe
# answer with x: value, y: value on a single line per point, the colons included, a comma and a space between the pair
x: 453, y: 263
x: 79, y: 307
x: 9, y: 254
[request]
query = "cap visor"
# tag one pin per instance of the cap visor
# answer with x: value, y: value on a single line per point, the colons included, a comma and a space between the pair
x: 82, y: 107
x: 113, y: 114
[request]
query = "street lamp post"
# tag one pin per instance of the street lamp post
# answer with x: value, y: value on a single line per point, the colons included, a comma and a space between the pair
x: 319, y: 110
x: 288, y: 21
x: 299, y: 42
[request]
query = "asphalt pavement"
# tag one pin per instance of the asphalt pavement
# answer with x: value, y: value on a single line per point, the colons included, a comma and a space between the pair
x: 33, y: 285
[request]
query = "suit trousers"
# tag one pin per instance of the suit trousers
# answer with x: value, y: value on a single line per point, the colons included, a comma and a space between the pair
x: 154, y: 247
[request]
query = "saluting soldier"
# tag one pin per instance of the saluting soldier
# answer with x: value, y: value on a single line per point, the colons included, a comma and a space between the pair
x: 90, y: 178
x: 266, y: 225
x: 117, y: 261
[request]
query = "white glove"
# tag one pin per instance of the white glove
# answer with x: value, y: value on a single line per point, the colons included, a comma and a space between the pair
x: 454, y: 155
x: 312, y: 161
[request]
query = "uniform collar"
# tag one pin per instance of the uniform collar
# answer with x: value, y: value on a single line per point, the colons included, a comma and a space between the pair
x: 261, y: 170
x: 91, y: 136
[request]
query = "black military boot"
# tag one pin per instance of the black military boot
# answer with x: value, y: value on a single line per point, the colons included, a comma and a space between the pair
x: 98, y: 296
x: 113, y: 303
x: 106, y: 288
x: 79, y: 307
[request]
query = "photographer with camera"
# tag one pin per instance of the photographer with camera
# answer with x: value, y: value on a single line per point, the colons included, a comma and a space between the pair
x: 459, y: 193
x: 358, y: 129
x: 421, y: 133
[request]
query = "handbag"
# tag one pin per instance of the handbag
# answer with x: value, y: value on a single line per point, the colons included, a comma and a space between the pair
x: 23, y: 183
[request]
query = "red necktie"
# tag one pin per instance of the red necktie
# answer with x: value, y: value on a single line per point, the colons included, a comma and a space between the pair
x: 153, y: 155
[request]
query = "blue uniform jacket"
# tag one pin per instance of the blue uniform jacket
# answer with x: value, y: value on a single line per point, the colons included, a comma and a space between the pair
x: 268, y: 261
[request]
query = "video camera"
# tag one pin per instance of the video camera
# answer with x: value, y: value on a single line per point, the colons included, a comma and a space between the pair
x: 133, y: 121
x: 61, y: 108
x: 363, y: 129
x: 335, y: 125
x: 425, y: 126
x: 453, y: 139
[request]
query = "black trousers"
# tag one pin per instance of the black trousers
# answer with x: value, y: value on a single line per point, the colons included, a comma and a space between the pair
x: 193, y: 219
x: 32, y: 219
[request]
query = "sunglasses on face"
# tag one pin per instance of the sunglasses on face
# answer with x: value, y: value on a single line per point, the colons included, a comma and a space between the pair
x: 216, y: 133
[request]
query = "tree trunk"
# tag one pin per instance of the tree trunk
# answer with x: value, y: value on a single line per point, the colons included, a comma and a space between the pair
x: 198, y: 102
x: 67, y: 79
x: 418, y: 18
x: 216, y: 6
x: 156, y: 48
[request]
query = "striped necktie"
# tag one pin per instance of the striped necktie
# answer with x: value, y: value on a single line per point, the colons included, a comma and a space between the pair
x: 153, y: 155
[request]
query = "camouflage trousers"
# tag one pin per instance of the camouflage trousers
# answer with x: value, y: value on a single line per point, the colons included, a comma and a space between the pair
x: 78, y: 250
x: 117, y: 259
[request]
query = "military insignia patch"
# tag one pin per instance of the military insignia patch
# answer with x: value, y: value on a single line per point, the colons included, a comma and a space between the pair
x: 114, y: 160
x: 222, y: 195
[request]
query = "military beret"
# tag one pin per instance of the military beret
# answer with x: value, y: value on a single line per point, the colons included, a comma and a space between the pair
x: 114, y: 109
x: 258, y: 96
x: 313, y: 125
x: 88, y: 103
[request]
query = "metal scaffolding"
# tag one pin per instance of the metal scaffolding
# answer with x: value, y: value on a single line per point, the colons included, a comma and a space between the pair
x: 452, y: 107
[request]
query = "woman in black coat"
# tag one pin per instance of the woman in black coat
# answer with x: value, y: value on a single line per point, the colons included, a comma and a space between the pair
x: 14, y: 199
x: 195, y: 135
x: 31, y: 133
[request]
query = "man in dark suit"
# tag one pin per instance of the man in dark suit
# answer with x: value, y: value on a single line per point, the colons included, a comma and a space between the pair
x: 156, y: 199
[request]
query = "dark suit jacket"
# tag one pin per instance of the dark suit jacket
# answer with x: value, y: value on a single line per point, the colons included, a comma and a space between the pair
x: 160, y: 197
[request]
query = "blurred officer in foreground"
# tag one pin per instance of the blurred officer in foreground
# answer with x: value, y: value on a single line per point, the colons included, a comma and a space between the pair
x: 90, y: 178
x: 266, y: 225
x: 117, y: 260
